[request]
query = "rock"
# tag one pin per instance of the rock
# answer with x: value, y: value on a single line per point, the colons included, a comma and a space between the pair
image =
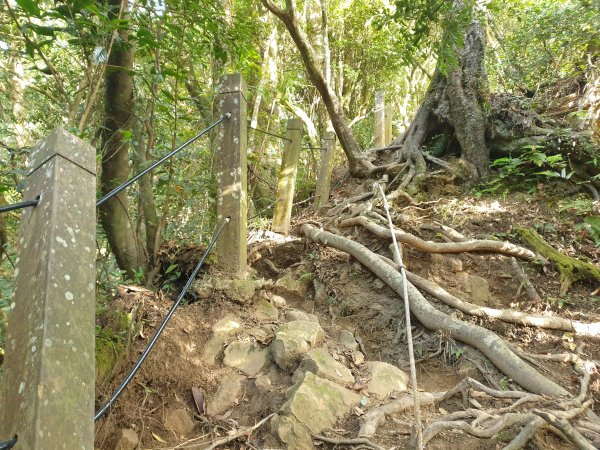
x: 125, y: 439
x: 321, y: 296
x: 203, y: 289
x: 467, y: 369
x: 222, y: 330
x: 291, y: 432
x: 227, y: 395
x: 385, y: 378
x: 358, y: 358
x: 248, y: 357
x: 348, y: 341
x: 241, y: 291
x: 179, y: 421
x: 378, y: 284
x: 266, y: 311
x: 318, y: 403
x: 278, y: 301
x: 480, y: 290
x: 293, y: 339
x: 448, y: 262
x: 320, y: 362
x: 294, y: 286
x: 295, y: 314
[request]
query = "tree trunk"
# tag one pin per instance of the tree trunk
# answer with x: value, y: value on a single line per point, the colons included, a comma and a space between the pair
x: 358, y: 165
x: 119, y: 116
x: 452, y: 105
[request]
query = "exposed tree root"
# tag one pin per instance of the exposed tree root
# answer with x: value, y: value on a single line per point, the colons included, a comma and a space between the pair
x: 490, y: 344
x: 570, y: 269
x: 522, y: 276
x: 375, y: 417
x: 355, y: 441
x: 505, y: 315
x: 505, y: 248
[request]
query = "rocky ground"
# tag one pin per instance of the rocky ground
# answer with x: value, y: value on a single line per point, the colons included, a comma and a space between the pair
x: 311, y: 350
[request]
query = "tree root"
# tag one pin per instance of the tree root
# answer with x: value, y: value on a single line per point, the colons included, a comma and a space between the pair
x: 505, y: 248
x: 522, y: 276
x: 505, y: 315
x: 340, y: 441
x: 375, y: 417
x: 490, y: 344
x: 570, y: 269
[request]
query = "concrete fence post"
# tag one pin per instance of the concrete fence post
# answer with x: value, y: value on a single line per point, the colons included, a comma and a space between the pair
x: 379, y: 119
x: 286, y: 183
x: 324, y: 179
x: 47, y: 388
x: 389, y: 112
x: 232, y: 178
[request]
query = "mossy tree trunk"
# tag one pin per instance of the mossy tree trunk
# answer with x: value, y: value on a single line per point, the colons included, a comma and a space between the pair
x: 453, y: 106
x: 119, y: 118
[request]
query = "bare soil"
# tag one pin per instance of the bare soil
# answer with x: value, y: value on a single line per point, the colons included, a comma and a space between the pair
x: 351, y: 298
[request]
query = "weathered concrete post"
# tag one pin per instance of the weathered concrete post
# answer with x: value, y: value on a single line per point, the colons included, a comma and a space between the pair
x: 389, y: 112
x: 231, y: 249
x: 379, y: 119
x: 47, y: 388
x: 324, y: 179
x: 286, y: 183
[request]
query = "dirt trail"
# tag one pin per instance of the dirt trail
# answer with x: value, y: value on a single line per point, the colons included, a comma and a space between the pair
x: 359, y: 315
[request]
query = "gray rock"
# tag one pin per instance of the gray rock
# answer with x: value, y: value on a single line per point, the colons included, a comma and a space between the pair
x: 296, y: 314
x: 291, y: 432
x: 265, y: 311
x: 180, y: 422
x: 227, y: 394
x: 294, y: 339
x: 241, y: 291
x: 125, y: 439
x: 294, y: 286
x: 321, y: 296
x: 318, y: 403
x: 320, y: 362
x: 385, y: 378
x: 278, y: 301
x: 248, y: 357
x: 222, y: 330
x: 348, y: 341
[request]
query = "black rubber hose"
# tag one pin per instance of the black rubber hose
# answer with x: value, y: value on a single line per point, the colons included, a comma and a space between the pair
x: 164, y: 323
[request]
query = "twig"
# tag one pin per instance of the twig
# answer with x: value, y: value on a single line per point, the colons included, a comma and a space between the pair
x: 411, y: 356
x: 227, y: 439
x: 346, y: 441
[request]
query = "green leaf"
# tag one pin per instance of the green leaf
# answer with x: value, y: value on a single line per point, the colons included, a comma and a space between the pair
x: 171, y: 268
x: 29, y: 6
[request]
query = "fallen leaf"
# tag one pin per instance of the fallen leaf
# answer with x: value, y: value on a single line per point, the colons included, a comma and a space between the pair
x: 158, y: 438
x: 199, y: 399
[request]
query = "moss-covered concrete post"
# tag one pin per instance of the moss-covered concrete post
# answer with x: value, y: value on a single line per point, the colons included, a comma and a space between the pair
x: 389, y: 112
x: 286, y: 183
x: 231, y: 248
x: 379, y: 119
x: 47, y: 388
x: 324, y: 179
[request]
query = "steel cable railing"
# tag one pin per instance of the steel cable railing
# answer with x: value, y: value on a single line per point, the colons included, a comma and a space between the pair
x: 5, y: 445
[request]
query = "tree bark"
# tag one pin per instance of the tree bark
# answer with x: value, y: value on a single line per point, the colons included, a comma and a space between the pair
x: 358, y: 165
x: 119, y: 116
x: 452, y: 105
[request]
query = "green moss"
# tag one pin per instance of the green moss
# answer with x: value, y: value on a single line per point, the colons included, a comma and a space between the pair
x: 108, y: 354
x: 570, y: 269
